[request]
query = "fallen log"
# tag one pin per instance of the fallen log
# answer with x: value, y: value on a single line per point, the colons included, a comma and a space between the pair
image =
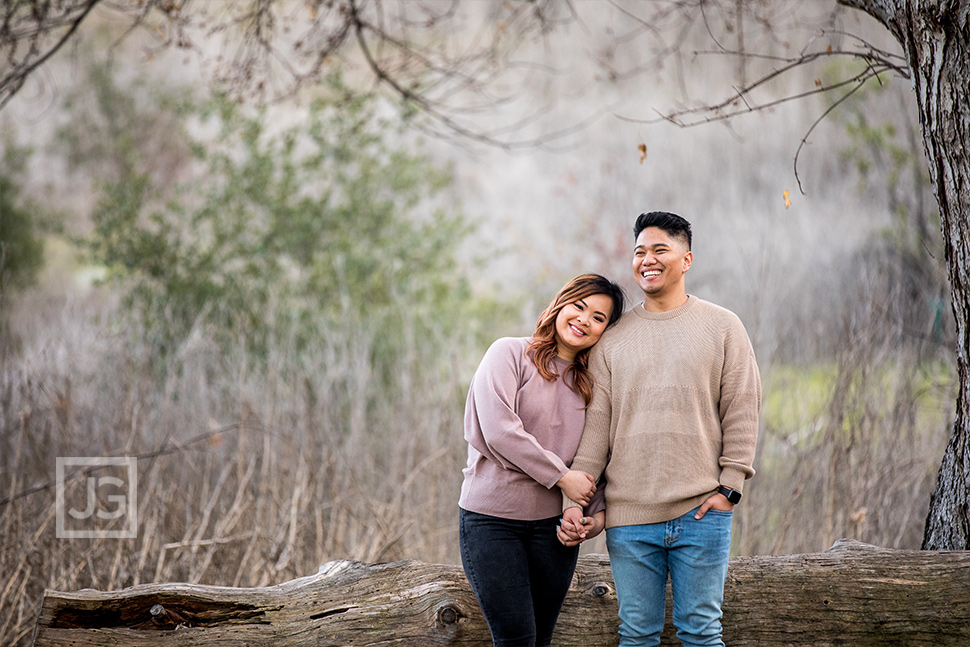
x: 852, y: 594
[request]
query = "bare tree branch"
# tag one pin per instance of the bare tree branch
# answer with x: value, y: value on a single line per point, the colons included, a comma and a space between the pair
x: 273, y: 49
x: 877, y: 62
x: 32, y: 32
x: 859, y: 82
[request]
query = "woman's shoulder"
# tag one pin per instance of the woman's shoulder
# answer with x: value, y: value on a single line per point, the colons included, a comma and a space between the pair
x: 513, y: 348
x: 510, y: 344
x: 506, y: 356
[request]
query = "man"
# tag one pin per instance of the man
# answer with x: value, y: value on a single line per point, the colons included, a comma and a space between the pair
x: 673, y: 426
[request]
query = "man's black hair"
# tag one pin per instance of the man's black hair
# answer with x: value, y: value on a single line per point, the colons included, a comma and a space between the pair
x: 674, y: 225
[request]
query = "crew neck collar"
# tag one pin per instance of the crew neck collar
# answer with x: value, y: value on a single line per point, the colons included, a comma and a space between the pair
x: 643, y: 313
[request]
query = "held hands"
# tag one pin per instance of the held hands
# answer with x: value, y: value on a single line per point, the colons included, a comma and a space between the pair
x: 578, y: 486
x: 575, y: 528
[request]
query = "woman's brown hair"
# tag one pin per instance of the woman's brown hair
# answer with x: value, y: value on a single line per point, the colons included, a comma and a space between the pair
x: 543, y: 348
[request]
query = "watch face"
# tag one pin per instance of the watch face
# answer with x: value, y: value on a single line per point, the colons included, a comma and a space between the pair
x: 733, y: 496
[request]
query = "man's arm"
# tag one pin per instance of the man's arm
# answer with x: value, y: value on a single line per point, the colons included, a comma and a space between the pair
x: 594, y: 448
x: 739, y: 409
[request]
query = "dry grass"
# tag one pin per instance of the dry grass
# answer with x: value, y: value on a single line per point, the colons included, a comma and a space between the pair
x: 245, y: 477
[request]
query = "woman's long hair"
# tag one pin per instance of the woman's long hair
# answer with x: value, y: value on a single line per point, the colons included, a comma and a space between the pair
x: 544, y: 346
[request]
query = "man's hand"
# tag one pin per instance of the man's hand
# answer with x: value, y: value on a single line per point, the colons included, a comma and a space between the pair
x: 716, y: 501
x: 597, y: 524
x: 578, y: 486
x: 571, y: 527
x: 575, y: 528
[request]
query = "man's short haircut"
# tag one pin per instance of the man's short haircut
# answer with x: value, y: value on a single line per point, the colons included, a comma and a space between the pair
x: 674, y: 225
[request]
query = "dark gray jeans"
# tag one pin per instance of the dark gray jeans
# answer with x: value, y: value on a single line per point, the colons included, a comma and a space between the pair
x: 520, y: 574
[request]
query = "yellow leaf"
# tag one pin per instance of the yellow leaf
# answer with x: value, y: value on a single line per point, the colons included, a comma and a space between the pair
x: 643, y: 152
x: 787, y: 200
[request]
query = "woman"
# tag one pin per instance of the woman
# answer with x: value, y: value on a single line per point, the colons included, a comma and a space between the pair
x: 523, y: 421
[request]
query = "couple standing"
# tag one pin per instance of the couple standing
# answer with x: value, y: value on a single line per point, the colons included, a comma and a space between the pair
x: 650, y: 434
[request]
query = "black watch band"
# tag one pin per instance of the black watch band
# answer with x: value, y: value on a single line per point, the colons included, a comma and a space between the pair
x: 733, y: 496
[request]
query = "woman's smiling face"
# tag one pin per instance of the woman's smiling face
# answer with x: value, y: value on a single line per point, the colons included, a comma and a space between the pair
x: 580, y: 324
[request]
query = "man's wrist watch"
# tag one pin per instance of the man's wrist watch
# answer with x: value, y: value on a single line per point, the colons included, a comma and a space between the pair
x: 733, y: 496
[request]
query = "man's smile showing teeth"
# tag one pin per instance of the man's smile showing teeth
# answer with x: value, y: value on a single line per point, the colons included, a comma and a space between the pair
x: 650, y: 273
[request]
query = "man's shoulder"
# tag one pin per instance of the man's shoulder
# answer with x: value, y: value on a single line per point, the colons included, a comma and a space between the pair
x: 722, y: 324
x: 695, y: 306
x: 712, y: 311
x: 617, y: 339
x: 624, y: 324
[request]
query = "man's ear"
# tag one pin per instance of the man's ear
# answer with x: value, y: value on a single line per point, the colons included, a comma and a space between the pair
x: 688, y: 259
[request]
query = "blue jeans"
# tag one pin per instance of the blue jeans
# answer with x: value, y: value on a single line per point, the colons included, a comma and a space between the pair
x: 695, y: 554
x: 520, y: 574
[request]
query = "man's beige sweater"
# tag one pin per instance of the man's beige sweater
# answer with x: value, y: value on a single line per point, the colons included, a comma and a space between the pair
x: 674, y: 412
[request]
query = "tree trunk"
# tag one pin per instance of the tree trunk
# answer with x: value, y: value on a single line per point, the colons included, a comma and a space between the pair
x: 935, y: 35
x: 850, y: 595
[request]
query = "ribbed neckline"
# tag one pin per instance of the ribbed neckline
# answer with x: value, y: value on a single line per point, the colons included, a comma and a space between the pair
x: 564, y: 363
x: 641, y: 312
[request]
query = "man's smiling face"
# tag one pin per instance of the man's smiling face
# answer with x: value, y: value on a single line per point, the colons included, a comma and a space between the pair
x: 660, y: 262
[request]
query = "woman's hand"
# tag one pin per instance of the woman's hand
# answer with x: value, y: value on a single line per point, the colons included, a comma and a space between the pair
x: 575, y: 529
x: 570, y: 530
x: 577, y: 485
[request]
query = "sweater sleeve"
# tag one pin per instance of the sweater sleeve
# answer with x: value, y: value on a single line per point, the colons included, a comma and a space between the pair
x: 502, y: 436
x: 739, y: 408
x: 597, y: 503
x: 594, y: 448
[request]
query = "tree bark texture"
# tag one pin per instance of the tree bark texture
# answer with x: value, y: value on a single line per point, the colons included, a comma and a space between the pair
x: 850, y: 595
x: 935, y: 35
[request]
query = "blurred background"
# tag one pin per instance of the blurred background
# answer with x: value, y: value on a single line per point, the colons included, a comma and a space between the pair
x: 276, y: 307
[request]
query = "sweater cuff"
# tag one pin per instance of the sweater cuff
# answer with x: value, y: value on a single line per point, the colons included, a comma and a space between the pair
x: 733, y: 479
x: 569, y: 503
x: 552, y: 479
x: 596, y: 504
